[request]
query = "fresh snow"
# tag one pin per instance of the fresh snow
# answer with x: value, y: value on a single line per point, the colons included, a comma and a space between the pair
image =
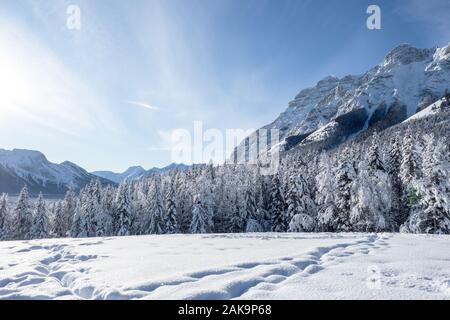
x: 428, y: 111
x: 321, y: 133
x: 229, y: 266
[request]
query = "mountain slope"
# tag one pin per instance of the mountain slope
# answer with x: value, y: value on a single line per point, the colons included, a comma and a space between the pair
x: 407, y: 80
x: 19, y: 167
x: 428, y: 111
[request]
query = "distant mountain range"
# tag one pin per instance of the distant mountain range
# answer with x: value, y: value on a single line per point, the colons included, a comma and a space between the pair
x: 25, y: 167
x: 137, y: 172
x: 406, y: 81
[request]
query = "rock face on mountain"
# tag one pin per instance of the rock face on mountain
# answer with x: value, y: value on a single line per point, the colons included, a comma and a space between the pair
x: 406, y: 81
x: 25, y: 167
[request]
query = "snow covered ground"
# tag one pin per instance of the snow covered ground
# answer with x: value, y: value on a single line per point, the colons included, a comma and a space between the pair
x: 428, y: 111
x: 243, y: 266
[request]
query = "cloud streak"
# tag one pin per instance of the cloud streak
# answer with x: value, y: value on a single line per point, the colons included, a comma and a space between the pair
x: 143, y: 105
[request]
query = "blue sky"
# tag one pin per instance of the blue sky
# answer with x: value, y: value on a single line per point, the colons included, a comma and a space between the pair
x: 107, y: 96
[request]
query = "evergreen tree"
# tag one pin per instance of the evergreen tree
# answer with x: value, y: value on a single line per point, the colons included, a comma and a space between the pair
x: 185, y: 202
x: 123, y: 211
x: 3, y: 216
x: 326, y: 186
x: 208, y: 184
x: 345, y: 176
x: 88, y: 211
x: 171, y: 210
x: 262, y: 212
x: 64, y: 213
x: 23, y: 218
x: 300, y: 205
x: 76, y: 227
x: 374, y: 159
x: 276, y: 206
x: 408, y: 167
x: 108, y: 204
x: 59, y: 222
x: 399, y: 210
x: 198, y: 224
x: 40, y: 227
x: 156, y: 223
x: 102, y: 219
x: 238, y: 215
x: 252, y: 219
x: 371, y: 201
x: 142, y: 211
x: 223, y: 207
x: 69, y: 206
x: 293, y: 196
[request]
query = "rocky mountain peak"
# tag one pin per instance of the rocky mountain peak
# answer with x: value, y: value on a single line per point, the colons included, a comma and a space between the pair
x: 329, y: 80
x: 405, y: 54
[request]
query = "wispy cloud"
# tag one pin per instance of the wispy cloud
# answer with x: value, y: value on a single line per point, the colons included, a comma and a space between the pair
x: 143, y: 105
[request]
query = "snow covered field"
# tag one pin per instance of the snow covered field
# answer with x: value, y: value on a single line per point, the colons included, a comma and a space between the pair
x: 243, y: 266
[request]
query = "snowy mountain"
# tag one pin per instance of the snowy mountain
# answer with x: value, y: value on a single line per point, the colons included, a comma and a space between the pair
x: 170, y: 167
x: 19, y: 167
x: 135, y: 173
x: 406, y: 81
x: 131, y: 173
x: 26, y: 167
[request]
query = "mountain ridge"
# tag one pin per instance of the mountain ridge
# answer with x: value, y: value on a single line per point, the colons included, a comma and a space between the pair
x: 136, y: 172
